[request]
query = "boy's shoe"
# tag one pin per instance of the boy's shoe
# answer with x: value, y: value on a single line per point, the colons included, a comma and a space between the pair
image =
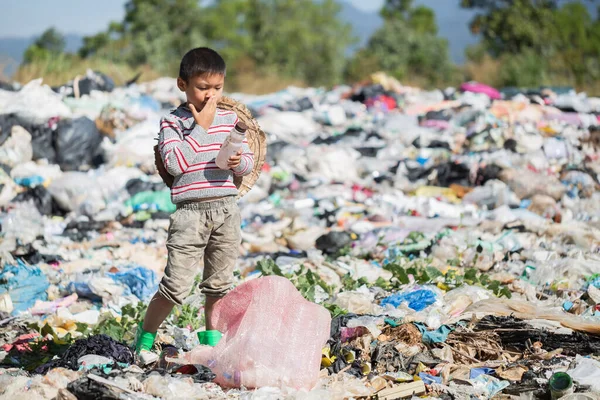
x: 209, y: 338
x: 144, y: 342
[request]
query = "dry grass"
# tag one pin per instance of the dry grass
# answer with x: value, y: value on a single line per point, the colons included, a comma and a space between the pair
x: 486, y: 71
x: 256, y: 83
x: 63, y: 69
x: 245, y: 77
x: 60, y: 70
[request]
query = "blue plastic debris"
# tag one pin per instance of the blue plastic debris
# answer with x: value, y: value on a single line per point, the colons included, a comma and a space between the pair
x: 594, y: 282
x: 83, y: 290
x: 567, y: 305
x: 30, y: 181
x: 25, y: 284
x: 418, y: 300
x: 475, y: 372
x: 438, y: 336
x: 141, y: 282
x: 429, y: 379
x: 493, y: 386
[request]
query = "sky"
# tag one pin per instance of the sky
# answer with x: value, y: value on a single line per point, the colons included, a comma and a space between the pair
x: 31, y: 17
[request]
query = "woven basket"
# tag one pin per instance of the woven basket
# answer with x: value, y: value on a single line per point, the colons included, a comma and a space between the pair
x: 257, y: 141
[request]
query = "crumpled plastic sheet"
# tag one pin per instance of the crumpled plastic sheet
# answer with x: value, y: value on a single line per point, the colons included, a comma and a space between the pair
x: 418, y: 300
x: 25, y: 284
x: 140, y: 281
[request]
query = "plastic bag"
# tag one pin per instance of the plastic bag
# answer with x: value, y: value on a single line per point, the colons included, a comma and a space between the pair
x: 587, y: 372
x: 134, y: 147
x: 25, y: 284
x: 272, y: 336
x: 22, y: 222
x: 77, y: 144
x: 72, y: 189
x: 336, y: 164
x: 418, y: 299
x: 142, y: 282
x: 169, y: 388
x: 526, y: 183
x: 34, y: 102
x: 290, y: 126
x: 356, y: 302
x: 41, y: 198
x: 17, y: 148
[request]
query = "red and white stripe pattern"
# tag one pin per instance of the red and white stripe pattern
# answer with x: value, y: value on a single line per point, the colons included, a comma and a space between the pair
x: 188, y: 152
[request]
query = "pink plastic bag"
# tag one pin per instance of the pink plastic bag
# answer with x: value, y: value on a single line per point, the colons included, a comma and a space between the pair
x: 272, y: 336
x: 476, y: 87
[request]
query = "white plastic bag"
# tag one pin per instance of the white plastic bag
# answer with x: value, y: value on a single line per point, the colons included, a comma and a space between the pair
x: 17, y: 148
x: 587, y: 372
x: 34, y: 102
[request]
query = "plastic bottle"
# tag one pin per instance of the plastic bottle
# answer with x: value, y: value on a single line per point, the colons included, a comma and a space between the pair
x: 232, y: 144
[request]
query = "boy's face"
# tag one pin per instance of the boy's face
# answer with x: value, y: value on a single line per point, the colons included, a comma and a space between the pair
x: 199, y: 89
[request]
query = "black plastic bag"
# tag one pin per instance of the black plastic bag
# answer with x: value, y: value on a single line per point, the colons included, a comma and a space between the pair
x: 77, y: 144
x: 334, y: 241
x: 42, y: 199
x: 42, y: 136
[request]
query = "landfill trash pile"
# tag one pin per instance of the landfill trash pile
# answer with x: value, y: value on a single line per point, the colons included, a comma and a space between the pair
x: 448, y: 238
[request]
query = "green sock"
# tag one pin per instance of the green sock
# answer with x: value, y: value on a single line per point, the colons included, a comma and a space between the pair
x: 144, y: 340
x: 209, y: 338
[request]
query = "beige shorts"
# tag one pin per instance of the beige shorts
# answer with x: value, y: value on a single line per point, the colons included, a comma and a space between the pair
x: 210, y: 230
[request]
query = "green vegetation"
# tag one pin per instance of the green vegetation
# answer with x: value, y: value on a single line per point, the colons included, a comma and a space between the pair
x: 536, y: 42
x: 270, y: 44
x: 124, y: 327
x: 406, y: 46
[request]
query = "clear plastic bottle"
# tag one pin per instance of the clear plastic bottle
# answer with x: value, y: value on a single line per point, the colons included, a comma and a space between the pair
x: 231, y: 145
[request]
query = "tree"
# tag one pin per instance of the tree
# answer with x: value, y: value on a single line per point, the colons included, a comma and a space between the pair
x: 407, y: 45
x: 294, y: 38
x: 510, y: 26
x: 539, y: 37
x: 396, y: 9
x: 162, y: 31
x: 301, y: 39
x: 153, y: 32
x: 50, y: 43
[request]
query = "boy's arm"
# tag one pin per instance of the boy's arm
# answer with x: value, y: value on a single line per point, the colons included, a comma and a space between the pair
x: 177, y: 151
x: 247, y: 160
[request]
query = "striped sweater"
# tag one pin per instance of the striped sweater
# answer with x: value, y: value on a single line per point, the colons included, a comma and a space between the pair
x: 189, y: 152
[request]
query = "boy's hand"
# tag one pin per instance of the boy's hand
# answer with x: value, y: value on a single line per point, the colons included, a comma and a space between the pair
x: 234, y: 161
x: 205, y: 117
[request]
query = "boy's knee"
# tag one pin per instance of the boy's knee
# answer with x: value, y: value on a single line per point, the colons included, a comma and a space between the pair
x: 173, y: 294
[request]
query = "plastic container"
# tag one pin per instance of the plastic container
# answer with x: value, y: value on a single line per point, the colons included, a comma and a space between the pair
x: 232, y: 144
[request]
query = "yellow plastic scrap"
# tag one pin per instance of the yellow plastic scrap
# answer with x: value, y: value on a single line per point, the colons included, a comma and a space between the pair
x: 327, y: 359
x: 548, y: 129
x: 449, y: 268
x: 434, y: 191
x: 420, y: 368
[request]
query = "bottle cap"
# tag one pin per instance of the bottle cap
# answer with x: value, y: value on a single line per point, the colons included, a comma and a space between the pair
x: 241, y: 127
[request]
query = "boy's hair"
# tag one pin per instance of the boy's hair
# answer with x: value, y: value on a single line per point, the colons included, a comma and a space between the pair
x: 200, y: 61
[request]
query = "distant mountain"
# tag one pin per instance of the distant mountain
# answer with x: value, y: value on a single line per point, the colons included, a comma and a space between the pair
x: 12, y: 49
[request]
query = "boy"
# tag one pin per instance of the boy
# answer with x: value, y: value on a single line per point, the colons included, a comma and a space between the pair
x: 207, y: 220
